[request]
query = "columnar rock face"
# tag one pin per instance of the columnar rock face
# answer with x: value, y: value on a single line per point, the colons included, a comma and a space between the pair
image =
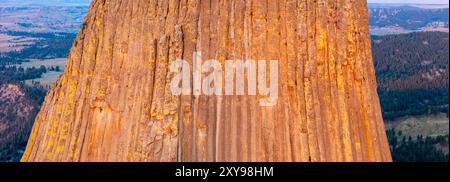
x: 114, y: 101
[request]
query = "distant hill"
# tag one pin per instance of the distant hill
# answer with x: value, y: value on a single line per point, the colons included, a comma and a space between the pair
x: 416, y: 60
x: 423, y: 6
x: 405, y: 18
x: 17, y: 113
x: 25, y: 18
x: 412, y: 73
x: 46, y: 2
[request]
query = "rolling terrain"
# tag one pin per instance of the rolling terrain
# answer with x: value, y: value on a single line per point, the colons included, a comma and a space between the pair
x: 66, y: 19
x: 406, y: 18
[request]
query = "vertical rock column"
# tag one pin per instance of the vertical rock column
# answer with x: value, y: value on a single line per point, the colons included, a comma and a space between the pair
x: 114, y: 102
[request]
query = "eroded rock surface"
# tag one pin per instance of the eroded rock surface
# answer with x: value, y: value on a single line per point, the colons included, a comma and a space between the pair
x: 113, y: 103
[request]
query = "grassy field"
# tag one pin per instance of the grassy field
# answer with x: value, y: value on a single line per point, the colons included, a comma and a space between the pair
x: 380, y: 31
x: 47, y: 79
x: 51, y: 76
x: 431, y: 125
x: 15, y: 43
x: 61, y: 62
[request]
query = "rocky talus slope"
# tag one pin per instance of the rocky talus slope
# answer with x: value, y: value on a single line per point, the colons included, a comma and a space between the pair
x: 16, y: 119
x: 114, y: 102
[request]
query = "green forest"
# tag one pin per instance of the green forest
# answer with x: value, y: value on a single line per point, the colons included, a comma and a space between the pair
x: 419, y: 149
x: 412, y: 74
x: 49, y: 45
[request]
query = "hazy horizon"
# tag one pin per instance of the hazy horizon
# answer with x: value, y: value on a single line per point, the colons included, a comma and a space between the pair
x: 409, y: 1
x: 86, y: 2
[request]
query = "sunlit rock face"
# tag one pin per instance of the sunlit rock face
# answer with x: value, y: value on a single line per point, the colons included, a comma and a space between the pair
x: 114, y: 102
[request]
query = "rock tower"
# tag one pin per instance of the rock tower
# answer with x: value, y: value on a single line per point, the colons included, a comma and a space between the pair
x: 114, y: 102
